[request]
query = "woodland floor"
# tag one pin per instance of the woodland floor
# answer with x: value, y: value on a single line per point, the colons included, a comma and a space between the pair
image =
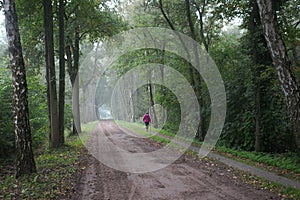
x: 187, y: 178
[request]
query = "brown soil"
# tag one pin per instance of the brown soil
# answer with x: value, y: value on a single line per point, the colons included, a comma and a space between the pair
x: 188, y: 178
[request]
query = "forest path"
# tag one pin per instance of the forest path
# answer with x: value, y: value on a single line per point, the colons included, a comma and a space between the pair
x: 187, y: 178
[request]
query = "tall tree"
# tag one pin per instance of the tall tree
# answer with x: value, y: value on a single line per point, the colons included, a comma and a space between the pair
x: 253, y: 24
x: 260, y: 60
x: 282, y: 64
x: 73, y: 67
x: 61, y: 106
x: 201, y: 129
x: 194, y: 30
x: 50, y: 74
x: 24, y: 159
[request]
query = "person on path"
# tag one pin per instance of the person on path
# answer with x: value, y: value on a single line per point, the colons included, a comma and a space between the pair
x: 147, y: 120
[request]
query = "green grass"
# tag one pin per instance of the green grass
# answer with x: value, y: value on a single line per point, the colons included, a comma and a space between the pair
x: 55, y: 176
x: 285, y: 161
x: 89, y: 126
x: 290, y: 193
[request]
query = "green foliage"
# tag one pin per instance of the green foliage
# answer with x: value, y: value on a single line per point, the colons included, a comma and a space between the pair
x: 239, y: 126
x: 100, y: 22
x: 289, y: 22
x: 6, y: 114
x: 241, y: 76
x: 31, y: 25
x: 38, y: 113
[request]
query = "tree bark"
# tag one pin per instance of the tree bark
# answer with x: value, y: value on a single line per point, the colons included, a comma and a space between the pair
x: 25, y: 163
x: 50, y: 66
x: 72, y: 78
x: 75, y: 90
x: 197, y: 87
x: 75, y: 71
x: 131, y: 103
x: 73, y: 66
x: 152, y: 103
x: 200, y: 19
x: 162, y: 88
x: 282, y: 64
x: 256, y: 61
x: 258, y: 143
x: 295, y: 56
x: 61, y: 103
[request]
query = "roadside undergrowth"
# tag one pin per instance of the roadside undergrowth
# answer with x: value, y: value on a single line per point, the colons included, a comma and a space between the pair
x: 56, y: 173
x: 54, y: 178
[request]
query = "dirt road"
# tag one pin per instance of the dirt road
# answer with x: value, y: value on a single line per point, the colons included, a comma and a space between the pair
x: 187, y: 178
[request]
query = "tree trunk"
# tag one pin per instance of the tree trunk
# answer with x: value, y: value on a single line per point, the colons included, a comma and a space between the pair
x: 75, y: 106
x: 24, y: 156
x: 200, y: 19
x: 75, y: 93
x: 89, y: 107
x: 256, y: 61
x: 48, y: 95
x: 162, y: 88
x: 61, y: 106
x: 295, y: 56
x: 150, y: 92
x: 72, y: 79
x: 257, y: 119
x: 73, y: 73
x: 132, y: 110
x: 282, y: 64
x: 197, y: 83
x: 50, y: 66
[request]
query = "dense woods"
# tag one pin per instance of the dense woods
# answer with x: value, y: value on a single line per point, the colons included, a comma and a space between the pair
x: 255, y: 45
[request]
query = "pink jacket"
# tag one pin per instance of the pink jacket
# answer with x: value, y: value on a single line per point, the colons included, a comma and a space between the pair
x: 146, y: 118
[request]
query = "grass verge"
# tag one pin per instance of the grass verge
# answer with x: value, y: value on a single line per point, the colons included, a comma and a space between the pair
x: 282, y: 164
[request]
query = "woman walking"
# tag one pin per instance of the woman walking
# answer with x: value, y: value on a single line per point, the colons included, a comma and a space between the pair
x: 147, y: 120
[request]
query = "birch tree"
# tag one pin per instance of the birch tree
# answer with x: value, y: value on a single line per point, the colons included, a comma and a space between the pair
x: 282, y: 64
x: 24, y: 156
